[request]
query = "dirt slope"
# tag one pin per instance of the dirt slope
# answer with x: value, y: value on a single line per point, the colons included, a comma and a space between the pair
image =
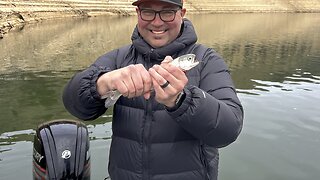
x: 15, y: 13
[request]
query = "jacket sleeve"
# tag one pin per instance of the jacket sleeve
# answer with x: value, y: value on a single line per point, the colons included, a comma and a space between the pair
x: 80, y: 96
x: 211, y: 112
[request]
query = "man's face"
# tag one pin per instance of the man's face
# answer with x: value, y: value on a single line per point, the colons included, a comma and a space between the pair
x: 158, y: 33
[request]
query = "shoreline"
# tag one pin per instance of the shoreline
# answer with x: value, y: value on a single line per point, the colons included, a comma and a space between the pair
x: 15, y: 14
x: 17, y: 20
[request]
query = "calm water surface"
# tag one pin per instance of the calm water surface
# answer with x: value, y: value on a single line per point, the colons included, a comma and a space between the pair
x: 274, y: 60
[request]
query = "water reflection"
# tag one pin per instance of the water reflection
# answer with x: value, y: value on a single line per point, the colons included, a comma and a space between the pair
x: 274, y: 60
x: 62, y: 45
x: 263, y: 46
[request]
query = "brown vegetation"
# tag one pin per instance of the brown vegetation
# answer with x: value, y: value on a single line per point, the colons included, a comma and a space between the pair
x: 14, y: 13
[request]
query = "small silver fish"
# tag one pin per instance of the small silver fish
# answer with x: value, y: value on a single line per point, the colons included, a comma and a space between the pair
x: 185, y: 62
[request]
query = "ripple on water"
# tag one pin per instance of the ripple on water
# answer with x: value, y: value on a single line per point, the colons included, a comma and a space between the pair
x: 289, y: 108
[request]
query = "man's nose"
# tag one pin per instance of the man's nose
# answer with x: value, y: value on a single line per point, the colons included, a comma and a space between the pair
x: 157, y: 20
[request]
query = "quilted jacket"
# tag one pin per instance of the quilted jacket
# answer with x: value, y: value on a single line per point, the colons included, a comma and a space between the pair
x: 150, y: 142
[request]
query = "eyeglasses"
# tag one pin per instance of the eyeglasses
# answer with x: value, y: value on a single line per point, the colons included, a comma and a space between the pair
x: 165, y: 15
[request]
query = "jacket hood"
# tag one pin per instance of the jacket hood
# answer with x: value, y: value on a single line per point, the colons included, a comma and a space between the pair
x: 186, y: 38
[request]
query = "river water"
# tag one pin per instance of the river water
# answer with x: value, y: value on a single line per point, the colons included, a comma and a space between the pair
x: 274, y: 60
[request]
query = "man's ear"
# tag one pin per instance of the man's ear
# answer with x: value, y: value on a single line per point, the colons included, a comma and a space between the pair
x: 183, y: 12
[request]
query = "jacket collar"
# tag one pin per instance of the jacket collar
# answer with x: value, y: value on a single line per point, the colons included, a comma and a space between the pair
x: 187, y: 37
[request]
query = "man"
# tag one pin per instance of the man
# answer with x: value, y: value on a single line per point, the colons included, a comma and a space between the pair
x: 168, y: 124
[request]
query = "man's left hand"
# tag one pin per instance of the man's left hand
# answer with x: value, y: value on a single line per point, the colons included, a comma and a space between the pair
x: 162, y: 75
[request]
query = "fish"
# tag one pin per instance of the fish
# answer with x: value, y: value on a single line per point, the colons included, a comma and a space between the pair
x: 185, y: 62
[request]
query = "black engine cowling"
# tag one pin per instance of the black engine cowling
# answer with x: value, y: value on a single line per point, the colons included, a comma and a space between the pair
x: 61, y: 151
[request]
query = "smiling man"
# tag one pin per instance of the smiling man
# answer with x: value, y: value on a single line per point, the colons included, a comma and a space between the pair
x: 168, y: 124
x: 159, y: 23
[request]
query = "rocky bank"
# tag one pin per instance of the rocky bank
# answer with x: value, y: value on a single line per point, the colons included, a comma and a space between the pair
x: 15, y: 13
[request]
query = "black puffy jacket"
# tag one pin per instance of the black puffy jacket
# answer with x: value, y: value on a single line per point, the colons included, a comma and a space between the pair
x: 149, y: 142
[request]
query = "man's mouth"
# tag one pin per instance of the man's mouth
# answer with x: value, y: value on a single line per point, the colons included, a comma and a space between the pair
x: 158, y: 31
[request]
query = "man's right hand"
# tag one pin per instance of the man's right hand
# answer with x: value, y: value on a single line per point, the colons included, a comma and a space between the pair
x: 131, y: 81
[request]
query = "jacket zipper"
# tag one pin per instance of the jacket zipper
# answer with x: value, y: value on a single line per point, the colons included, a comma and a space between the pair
x: 145, y: 140
x: 146, y: 134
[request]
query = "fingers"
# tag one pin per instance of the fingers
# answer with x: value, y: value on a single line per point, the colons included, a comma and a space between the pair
x: 167, y: 59
x: 140, y: 81
x: 157, y: 78
x: 161, y: 74
x: 135, y: 80
x: 147, y: 80
x: 167, y: 72
x: 135, y: 83
x: 130, y: 81
x: 157, y: 88
x: 147, y: 95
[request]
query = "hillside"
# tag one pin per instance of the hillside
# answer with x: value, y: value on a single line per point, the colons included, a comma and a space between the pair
x: 15, y: 13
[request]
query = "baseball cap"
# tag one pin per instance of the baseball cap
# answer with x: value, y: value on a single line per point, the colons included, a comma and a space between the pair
x: 176, y: 2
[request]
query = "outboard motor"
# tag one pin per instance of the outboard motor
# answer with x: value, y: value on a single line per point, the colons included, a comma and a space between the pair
x: 61, y: 151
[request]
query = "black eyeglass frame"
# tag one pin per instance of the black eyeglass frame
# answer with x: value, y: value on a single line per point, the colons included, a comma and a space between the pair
x: 159, y: 12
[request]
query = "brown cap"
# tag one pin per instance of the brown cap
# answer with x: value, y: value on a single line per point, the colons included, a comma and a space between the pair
x: 176, y: 2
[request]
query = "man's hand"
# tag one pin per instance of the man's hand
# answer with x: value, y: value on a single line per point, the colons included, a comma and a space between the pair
x: 163, y: 73
x: 131, y: 81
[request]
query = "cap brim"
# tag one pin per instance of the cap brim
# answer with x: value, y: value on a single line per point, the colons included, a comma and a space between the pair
x: 137, y: 3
